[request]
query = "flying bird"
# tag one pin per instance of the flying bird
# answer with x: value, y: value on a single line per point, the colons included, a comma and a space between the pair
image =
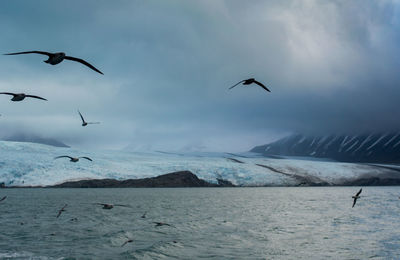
x: 357, y: 196
x: 159, y: 224
x: 20, y: 96
x: 251, y: 81
x: 144, y: 215
x: 73, y: 159
x: 55, y: 58
x: 5, y: 197
x: 110, y: 206
x: 84, y: 123
x: 127, y: 241
x: 61, y: 210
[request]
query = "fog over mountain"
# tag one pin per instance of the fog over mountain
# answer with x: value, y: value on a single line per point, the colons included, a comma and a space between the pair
x: 332, y: 67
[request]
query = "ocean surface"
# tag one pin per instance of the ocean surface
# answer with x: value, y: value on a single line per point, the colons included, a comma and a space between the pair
x: 206, y: 223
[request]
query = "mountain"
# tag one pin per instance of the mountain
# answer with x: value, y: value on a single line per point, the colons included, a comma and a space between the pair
x: 34, y: 139
x: 373, y: 148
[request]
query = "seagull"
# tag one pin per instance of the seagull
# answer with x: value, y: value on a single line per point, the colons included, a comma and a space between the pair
x: 251, y: 81
x: 84, y: 123
x: 159, y: 224
x: 110, y: 206
x: 61, y: 210
x: 127, y: 241
x: 73, y: 159
x: 20, y: 96
x: 55, y: 58
x: 144, y: 215
x: 357, y: 196
x: 5, y: 197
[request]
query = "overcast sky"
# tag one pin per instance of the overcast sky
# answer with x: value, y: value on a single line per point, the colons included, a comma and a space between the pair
x: 332, y: 67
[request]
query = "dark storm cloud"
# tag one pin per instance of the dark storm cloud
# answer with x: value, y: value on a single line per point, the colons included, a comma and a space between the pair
x: 332, y: 66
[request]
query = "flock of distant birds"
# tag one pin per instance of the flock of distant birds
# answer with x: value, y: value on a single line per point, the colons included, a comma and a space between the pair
x: 106, y: 206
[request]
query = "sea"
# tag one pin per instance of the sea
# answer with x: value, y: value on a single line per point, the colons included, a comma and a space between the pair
x: 203, y: 223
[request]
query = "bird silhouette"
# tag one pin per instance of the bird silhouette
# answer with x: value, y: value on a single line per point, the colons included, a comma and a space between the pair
x: 159, y: 224
x: 5, y: 197
x: 84, y: 123
x: 357, y: 196
x: 251, y: 81
x: 110, y: 206
x: 21, y: 96
x: 127, y: 241
x: 73, y: 159
x: 61, y: 210
x: 55, y: 58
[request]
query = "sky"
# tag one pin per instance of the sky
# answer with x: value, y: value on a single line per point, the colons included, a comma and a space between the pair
x: 332, y: 67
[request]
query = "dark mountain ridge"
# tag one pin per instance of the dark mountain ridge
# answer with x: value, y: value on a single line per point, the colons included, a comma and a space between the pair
x: 373, y: 148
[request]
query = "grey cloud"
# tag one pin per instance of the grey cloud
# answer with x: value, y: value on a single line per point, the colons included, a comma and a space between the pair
x: 331, y: 65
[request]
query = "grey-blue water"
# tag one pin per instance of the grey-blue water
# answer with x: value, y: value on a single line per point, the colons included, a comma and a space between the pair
x: 207, y: 223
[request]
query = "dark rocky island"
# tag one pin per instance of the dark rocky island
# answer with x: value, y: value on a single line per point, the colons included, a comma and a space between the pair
x: 170, y: 180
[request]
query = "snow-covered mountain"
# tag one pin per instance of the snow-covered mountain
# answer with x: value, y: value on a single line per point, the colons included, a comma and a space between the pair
x: 376, y: 148
x: 24, y: 164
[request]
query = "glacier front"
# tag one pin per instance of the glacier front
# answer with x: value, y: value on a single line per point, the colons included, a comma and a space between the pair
x: 29, y: 164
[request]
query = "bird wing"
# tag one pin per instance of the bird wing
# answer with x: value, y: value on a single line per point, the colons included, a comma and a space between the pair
x: 236, y: 84
x: 63, y: 156
x: 32, y: 96
x: 359, y: 192
x: 83, y: 120
x: 354, y: 202
x: 3, y: 198
x: 28, y: 52
x: 7, y: 93
x: 121, y: 205
x: 87, y: 158
x: 61, y: 210
x: 262, y: 85
x: 83, y: 62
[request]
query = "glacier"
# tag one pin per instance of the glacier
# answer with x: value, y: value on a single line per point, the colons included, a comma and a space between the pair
x: 30, y: 164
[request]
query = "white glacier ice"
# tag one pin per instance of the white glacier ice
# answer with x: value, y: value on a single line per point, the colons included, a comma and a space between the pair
x: 26, y: 164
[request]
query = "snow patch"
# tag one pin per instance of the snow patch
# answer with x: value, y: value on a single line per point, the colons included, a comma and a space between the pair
x: 352, y: 146
x: 391, y: 139
x: 377, y: 141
